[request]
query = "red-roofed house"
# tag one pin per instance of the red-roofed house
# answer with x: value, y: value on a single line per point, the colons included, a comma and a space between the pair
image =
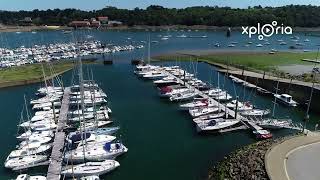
x: 103, y: 19
x: 80, y: 24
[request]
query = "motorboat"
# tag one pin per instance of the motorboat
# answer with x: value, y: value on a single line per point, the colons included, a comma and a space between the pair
x: 262, y: 134
x: 91, y: 168
x: 286, y: 99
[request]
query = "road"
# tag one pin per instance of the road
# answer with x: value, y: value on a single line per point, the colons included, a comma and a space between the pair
x: 277, y: 157
x: 303, y: 163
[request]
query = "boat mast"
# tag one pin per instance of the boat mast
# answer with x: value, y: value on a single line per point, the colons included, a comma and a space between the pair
x: 44, y: 77
x: 149, y: 46
x: 306, y: 118
x: 82, y: 108
x: 275, y: 100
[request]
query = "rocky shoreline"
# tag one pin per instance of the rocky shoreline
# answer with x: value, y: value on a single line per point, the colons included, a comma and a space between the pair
x: 245, y: 163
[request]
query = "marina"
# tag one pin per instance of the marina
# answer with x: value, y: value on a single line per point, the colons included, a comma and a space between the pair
x: 175, y: 73
x: 51, y: 124
x: 142, y: 101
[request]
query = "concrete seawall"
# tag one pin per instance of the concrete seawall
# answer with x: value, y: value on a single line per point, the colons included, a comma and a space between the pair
x: 299, y: 91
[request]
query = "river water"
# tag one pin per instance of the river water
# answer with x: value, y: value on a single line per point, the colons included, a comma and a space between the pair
x: 162, y: 141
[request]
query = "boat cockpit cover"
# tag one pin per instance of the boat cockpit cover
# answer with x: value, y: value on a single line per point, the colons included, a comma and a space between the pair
x: 212, y: 123
x: 77, y: 137
x: 107, y: 146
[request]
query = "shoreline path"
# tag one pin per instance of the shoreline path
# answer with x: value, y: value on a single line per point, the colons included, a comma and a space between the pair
x: 295, y: 159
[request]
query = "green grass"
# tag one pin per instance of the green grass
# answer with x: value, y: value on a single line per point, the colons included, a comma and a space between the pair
x: 251, y: 61
x: 31, y: 71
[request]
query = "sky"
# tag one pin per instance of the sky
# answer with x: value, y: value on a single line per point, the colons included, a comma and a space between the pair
x: 130, y: 4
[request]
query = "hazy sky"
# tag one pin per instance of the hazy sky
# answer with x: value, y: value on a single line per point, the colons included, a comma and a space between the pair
x: 130, y: 4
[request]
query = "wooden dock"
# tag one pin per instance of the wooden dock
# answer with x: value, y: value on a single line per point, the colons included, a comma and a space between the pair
x: 56, y: 157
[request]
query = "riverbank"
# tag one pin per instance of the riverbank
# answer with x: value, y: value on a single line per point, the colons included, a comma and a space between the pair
x: 255, y: 61
x: 32, y: 73
x: 245, y: 163
x: 13, y: 28
x: 5, y: 28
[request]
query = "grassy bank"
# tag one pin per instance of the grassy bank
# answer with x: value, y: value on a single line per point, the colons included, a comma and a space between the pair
x: 31, y: 73
x: 256, y: 61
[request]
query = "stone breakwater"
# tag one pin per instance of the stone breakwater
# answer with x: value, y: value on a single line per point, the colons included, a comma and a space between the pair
x: 245, y: 163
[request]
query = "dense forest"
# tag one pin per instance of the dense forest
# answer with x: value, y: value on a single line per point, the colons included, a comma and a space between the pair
x: 293, y: 15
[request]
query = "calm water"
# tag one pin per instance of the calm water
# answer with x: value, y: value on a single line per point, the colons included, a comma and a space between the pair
x: 162, y: 141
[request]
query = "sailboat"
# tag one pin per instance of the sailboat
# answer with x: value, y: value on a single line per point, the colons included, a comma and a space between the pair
x: 214, y: 125
x: 29, y: 177
x: 200, y: 111
x: 24, y: 161
x: 91, y: 168
x: 99, y: 152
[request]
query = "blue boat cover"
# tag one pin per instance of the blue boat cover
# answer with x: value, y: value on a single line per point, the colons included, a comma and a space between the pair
x: 212, y: 123
x: 107, y: 146
x: 77, y: 137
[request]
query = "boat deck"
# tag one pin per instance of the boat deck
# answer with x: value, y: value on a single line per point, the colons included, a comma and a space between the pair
x: 56, y: 159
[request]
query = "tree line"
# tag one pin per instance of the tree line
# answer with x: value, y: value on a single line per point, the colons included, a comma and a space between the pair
x: 292, y: 15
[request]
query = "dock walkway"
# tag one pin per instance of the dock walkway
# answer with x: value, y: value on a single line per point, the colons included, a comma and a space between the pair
x: 56, y: 159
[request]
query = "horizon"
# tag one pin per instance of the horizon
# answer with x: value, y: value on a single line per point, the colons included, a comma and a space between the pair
x: 15, y: 5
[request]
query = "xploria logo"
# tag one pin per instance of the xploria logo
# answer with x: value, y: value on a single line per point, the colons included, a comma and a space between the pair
x: 266, y: 30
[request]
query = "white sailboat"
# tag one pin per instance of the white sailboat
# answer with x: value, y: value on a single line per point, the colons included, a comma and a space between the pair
x: 255, y: 112
x: 29, y: 177
x: 30, y: 149
x: 195, y: 104
x: 186, y: 95
x: 91, y: 168
x: 24, y: 161
x: 96, y: 153
x: 200, y: 111
x: 209, y: 116
x: 215, y: 125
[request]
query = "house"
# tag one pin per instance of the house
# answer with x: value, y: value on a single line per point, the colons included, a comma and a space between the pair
x: 95, y: 24
x: 103, y: 19
x: 79, y: 24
